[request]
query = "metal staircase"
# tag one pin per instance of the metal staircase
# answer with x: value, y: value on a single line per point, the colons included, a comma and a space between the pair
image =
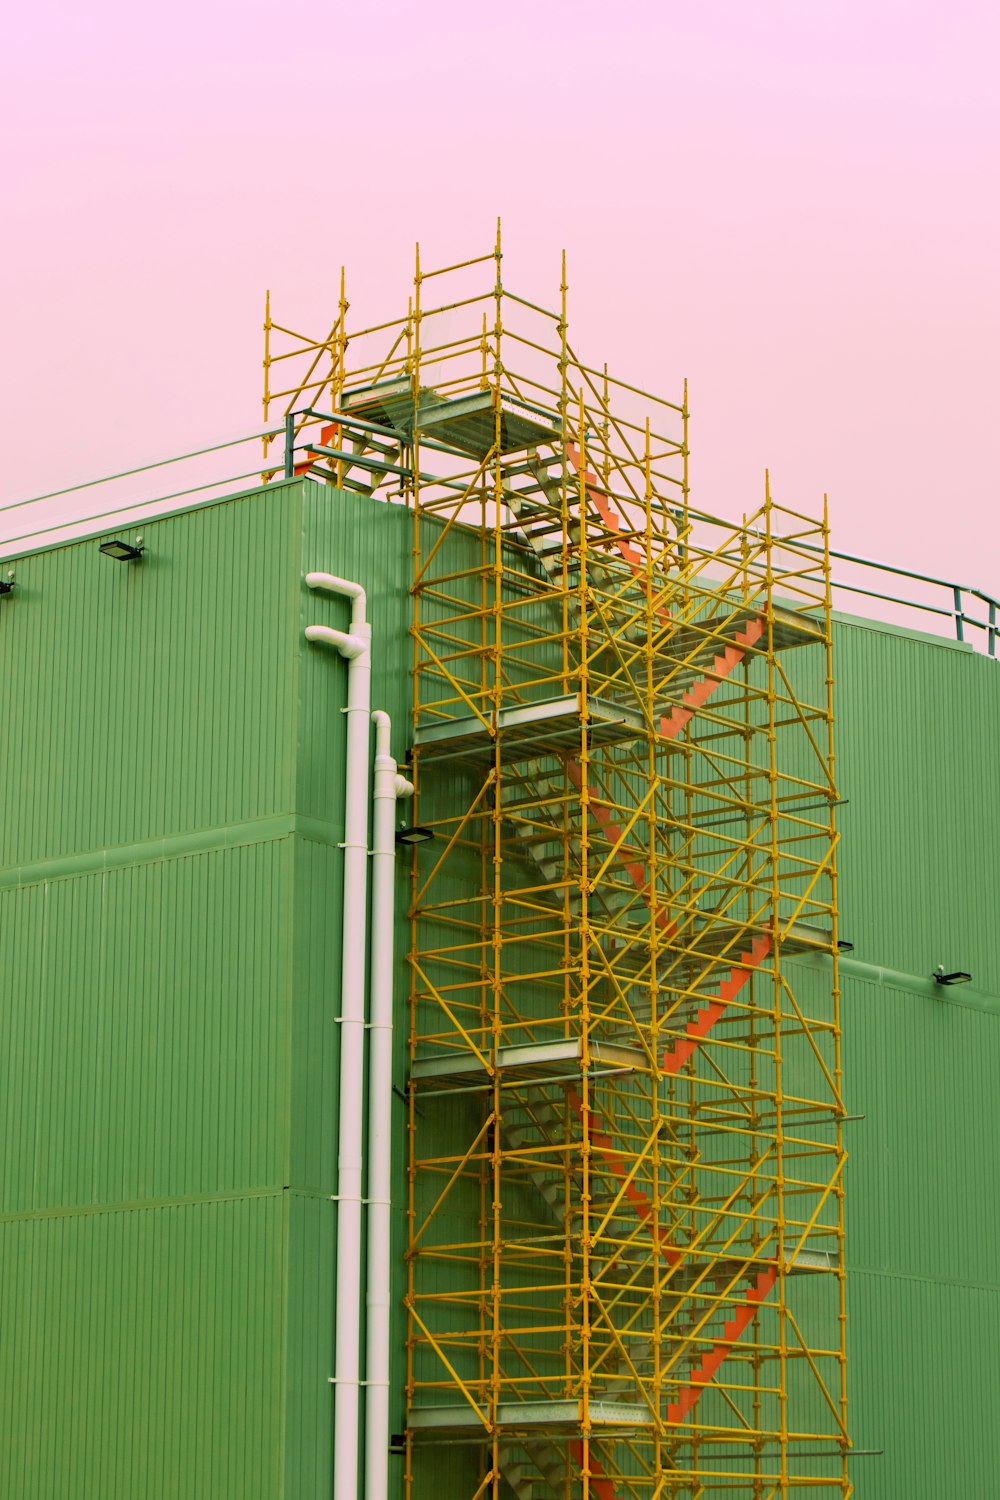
x: 620, y: 1151
x: 566, y: 821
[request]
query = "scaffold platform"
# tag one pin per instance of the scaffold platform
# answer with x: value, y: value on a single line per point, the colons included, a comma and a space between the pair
x: 532, y: 1063
x: 551, y: 726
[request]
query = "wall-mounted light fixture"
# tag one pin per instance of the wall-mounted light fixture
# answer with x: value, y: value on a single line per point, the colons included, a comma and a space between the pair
x: 7, y: 584
x: 122, y: 551
x: 957, y: 976
x: 414, y: 835
x: 843, y: 946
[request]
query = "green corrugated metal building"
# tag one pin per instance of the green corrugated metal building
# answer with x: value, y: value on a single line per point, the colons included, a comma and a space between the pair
x: 169, y: 946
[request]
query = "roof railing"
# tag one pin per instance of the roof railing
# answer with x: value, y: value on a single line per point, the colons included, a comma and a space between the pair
x: 952, y: 600
x: 955, y: 610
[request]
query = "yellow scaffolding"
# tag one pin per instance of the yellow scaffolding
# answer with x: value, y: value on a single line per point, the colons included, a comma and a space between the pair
x: 625, y: 1271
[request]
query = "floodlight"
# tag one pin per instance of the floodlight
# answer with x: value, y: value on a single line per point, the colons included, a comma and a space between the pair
x: 120, y: 551
x: 414, y: 835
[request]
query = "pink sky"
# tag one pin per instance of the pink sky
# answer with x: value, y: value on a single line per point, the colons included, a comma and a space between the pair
x: 794, y: 204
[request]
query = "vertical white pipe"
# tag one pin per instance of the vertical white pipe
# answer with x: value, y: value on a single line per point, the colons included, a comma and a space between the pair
x: 356, y: 647
x: 389, y: 786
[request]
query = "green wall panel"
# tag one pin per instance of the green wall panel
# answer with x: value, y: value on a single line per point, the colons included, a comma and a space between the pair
x: 153, y: 698
x: 142, y: 1352
x: 925, y: 1369
x: 917, y: 728
x: 171, y: 806
x: 170, y: 880
x: 148, y: 1031
x: 917, y: 732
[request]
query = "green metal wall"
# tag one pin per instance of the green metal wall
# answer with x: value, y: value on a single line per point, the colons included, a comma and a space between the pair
x: 918, y: 728
x: 170, y: 810
x: 171, y: 802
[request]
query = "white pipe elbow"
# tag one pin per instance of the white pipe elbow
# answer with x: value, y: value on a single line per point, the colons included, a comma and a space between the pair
x: 349, y: 646
x: 383, y: 731
x: 343, y: 586
x: 384, y: 762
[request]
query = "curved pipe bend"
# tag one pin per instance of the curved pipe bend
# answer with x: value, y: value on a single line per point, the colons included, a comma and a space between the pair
x: 349, y: 646
x: 331, y: 584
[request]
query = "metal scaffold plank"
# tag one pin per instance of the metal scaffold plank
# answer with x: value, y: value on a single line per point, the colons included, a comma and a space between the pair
x: 531, y: 1062
x: 546, y: 727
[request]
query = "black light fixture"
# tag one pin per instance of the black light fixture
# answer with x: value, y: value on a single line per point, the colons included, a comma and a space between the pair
x: 122, y: 551
x: 414, y: 835
x: 957, y: 976
x: 7, y: 584
x: 843, y: 946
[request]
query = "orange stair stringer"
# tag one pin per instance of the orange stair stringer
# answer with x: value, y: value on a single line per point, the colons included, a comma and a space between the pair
x: 328, y: 436
x: 695, y: 697
x: 676, y: 1056
x: 600, y: 1484
x: 612, y: 1158
x: 633, y: 869
x: 670, y: 726
x: 724, y: 662
x: 712, y: 1360
x: 673, y: 1060
x: 612, y: 520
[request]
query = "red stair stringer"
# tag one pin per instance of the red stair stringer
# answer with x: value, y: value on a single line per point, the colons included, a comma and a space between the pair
x: 600, y: 1484
x: 605, y: 1148
x: 633, y: 869
x: 328, y: 436
x: 670, y: 726
x: 673, y: 1060
x: 612, y: 520
x: 673, y: 722
x: 712, y: 1360
x: 675, y: 1057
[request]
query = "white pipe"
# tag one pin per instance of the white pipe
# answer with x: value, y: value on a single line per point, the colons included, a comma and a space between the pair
x: 389, y: 786
x: 356, y: 647
x: 351, y: 646
x: 334, y: 585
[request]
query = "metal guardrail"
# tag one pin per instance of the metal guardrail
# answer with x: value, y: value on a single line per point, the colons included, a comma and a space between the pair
x: 128, y: 509
x: 957, y: 610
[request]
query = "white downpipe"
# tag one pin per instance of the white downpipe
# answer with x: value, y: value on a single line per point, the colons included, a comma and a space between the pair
x: 389, y: 786
x: 355, y: 645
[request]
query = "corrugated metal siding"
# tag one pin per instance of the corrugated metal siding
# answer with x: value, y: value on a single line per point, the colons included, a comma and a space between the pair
x: 917, y: 734
x: 169, y: 897
x: 925, y: 1370
x: 151, y: 698
x: 146, y: 1349
x: 918, y: 730
x: 924, y: 1177
x: 147, y: 864
x: 309, y: 1438
x: 148, y: 1032
x: 315, y: 1057
x: 923, y: 1223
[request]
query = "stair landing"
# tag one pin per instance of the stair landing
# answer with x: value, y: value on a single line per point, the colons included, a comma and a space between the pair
x: 551, y: 1417
x: 551, y: 726
x: 532, y: 1062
